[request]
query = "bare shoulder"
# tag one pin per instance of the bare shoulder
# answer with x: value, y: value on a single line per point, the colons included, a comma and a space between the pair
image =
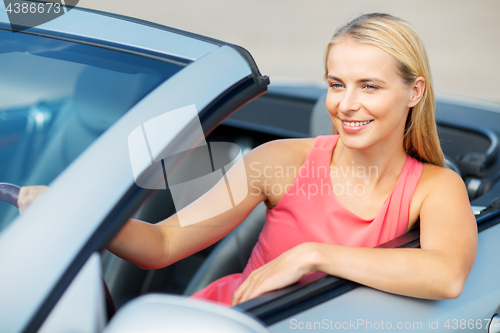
x: 273, y: 166
x: 285, y: 152
x: 442, y: 195
x: 437, y: 179
x: 438, y: 188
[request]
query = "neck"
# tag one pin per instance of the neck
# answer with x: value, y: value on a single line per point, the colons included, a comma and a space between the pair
x: 382, y: 161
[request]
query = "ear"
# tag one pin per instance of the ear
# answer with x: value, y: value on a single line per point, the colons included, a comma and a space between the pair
x: 417, y: 91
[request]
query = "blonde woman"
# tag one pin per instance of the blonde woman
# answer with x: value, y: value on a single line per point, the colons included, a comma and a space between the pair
x: 379, y: 177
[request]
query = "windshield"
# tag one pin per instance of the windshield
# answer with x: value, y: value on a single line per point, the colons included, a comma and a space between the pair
x: 57, y: 97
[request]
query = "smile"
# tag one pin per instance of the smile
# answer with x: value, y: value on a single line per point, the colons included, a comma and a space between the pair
x: 355, y: 126
x: 355, y: 123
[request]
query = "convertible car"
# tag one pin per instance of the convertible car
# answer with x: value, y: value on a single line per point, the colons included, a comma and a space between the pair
x: 80, y: 97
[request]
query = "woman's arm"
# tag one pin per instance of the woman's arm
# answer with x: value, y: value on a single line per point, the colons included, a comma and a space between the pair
x: 159, y: 245
x: 153, y: 246
x: 438, y: 270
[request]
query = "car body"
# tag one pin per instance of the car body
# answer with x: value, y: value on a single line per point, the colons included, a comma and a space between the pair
x: 81, y: 84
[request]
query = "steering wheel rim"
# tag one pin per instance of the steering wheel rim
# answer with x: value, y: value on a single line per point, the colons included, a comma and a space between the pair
x: 9, y: 193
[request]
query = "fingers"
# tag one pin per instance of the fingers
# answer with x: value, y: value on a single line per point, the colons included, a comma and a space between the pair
x: 244, y: 291
x: 27, y: 195
x: 252, y: 287
x: 282, y: 271
x: 239, y: 292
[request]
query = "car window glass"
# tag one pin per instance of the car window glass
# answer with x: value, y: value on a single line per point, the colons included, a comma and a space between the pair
x: 57, y: 97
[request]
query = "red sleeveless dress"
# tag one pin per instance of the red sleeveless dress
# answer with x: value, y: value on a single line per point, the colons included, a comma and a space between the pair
x: 310, y: 212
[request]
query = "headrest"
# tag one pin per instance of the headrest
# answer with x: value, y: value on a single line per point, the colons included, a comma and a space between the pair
x: 321, y: 123
x: 102, y: 96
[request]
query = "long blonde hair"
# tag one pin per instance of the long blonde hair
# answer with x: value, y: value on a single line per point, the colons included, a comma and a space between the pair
x: 399, y: 39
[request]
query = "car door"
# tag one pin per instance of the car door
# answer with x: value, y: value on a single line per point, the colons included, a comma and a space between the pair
x: 110, y: 90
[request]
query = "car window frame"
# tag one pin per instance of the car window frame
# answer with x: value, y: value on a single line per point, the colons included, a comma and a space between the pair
x: 240, y: 86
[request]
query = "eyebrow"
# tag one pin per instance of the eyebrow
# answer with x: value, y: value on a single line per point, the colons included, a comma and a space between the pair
x: 331, y: 77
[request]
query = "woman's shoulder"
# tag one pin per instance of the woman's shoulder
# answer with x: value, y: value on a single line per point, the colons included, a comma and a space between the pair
x: 436, y: 179
x: 436, y: 182
x: 275, y: 165
x: 292, y: 144
x: 434, y: 176
x: 284, y: 152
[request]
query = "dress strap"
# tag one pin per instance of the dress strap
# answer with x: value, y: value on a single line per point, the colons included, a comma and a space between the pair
x: 325, y: 141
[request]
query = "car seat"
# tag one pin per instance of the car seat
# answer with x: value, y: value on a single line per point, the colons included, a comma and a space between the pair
x: 100, y: 98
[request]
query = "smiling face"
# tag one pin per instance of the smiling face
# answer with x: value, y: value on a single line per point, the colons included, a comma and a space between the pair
x: 367, y: 98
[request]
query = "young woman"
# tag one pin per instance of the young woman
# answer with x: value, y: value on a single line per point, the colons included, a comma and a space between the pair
x: 332, y: 199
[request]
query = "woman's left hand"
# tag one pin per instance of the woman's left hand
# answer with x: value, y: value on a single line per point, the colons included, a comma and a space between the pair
x: 28, y: 194
x: 283, y: 271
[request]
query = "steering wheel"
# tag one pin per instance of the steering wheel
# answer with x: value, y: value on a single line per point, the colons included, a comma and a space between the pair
x: 9, y: 193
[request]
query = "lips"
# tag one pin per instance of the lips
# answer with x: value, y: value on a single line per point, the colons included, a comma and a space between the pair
x: 355, y: 126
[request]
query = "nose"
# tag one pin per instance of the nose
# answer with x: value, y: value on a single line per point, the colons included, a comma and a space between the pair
x: 349, y: 101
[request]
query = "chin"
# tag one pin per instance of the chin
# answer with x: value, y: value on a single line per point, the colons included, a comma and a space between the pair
x: 354, y: 141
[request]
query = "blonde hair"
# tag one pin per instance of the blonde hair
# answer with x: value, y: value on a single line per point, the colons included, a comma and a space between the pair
x: 399, y: 39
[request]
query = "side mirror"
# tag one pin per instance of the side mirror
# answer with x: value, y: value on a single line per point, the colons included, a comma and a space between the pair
x: 162, y: 313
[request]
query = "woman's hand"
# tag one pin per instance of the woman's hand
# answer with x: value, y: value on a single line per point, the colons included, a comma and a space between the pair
x: 281, y: 272
x: 27, y: 195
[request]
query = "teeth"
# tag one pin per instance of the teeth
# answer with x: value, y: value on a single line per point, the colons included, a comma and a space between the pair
x: 353, y: 124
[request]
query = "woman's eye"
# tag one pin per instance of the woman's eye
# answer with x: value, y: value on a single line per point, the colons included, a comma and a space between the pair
x: 370, y: 87
x: 335, y: 85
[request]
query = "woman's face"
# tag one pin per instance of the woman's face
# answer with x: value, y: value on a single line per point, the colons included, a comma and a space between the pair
x: 367, y: 98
